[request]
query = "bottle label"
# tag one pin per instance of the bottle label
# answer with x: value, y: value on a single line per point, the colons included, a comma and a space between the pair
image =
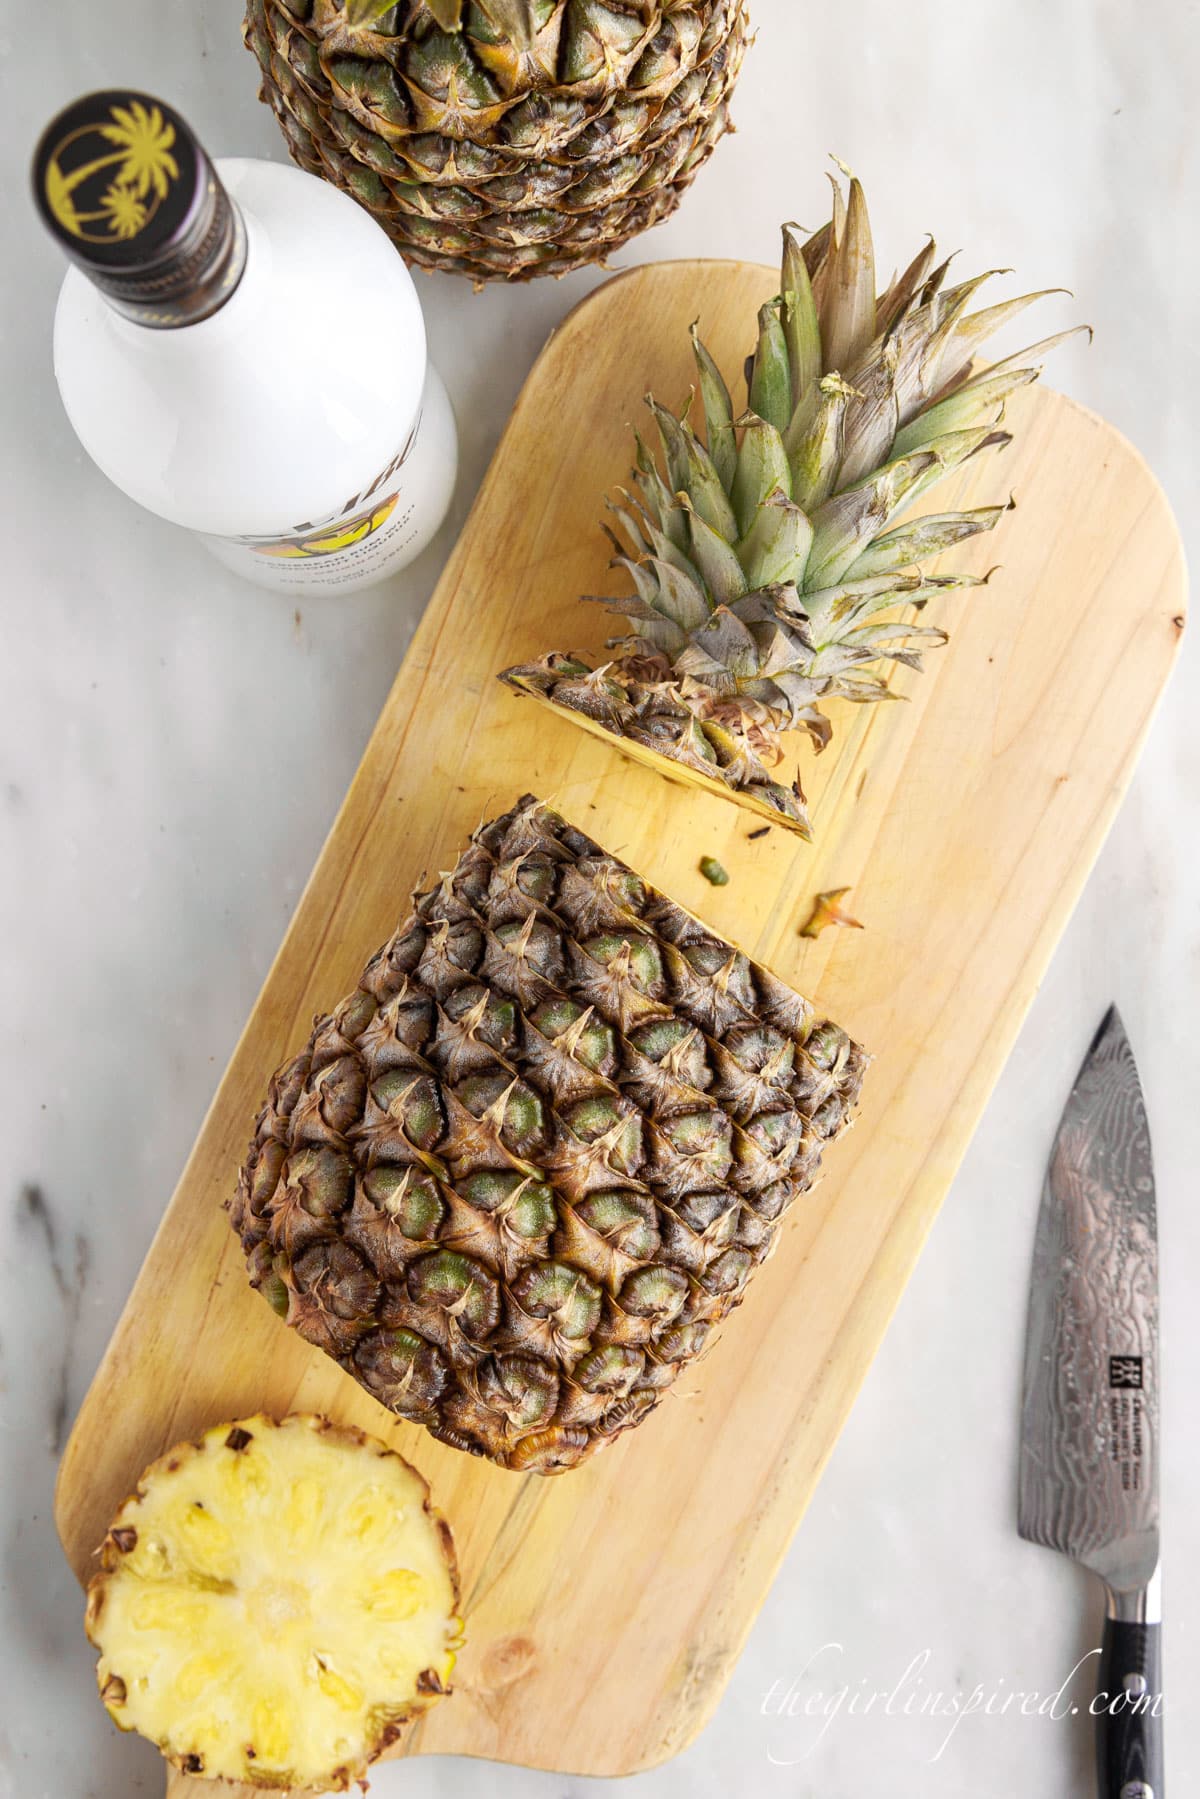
x: 368, y: 532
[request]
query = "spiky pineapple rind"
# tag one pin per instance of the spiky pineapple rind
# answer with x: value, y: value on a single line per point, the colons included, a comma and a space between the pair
x: 494, y: 160
x: 516, y: 1178
x: 159, y: 1575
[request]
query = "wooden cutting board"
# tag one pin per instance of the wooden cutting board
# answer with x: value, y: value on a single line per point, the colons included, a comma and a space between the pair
x: 607, y: 1607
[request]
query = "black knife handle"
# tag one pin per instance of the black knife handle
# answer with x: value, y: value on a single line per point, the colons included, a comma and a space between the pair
x: 1128, y: 1708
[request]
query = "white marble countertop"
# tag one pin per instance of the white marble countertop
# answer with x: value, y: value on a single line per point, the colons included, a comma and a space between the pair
x: 175, y: 745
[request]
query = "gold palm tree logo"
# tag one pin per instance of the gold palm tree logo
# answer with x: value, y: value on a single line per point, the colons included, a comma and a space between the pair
x: 142, y: 166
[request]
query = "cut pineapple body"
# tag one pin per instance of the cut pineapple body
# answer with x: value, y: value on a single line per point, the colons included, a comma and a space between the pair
x: 274, y: 1602
x: 515, y: 1179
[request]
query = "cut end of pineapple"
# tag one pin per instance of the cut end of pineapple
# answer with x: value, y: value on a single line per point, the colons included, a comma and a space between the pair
x: 774, y: 802
x: 274, y: 1603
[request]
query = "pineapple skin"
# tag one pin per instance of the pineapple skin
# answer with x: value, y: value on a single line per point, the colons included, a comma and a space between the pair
x: 174, y: 1610
x: 516, y: 1178
x: 493, y: 162
x: 650, y: 724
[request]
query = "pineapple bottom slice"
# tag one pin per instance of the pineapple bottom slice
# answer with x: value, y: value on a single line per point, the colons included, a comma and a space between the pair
x: 274, y: 1602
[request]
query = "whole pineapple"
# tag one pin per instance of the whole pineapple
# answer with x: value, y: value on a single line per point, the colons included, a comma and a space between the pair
x: 515, y: 1179
x: 274, y: 1603
x: 502, y: 138
x: 769, y: 558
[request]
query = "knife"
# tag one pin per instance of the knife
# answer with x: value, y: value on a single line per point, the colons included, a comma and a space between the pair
x: 1090, y: 1415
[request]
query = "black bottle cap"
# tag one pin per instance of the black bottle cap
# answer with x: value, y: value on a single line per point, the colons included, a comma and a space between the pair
x: 125, y: 187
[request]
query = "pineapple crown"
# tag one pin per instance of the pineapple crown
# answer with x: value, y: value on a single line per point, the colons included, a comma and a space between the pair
x: 762, y: 556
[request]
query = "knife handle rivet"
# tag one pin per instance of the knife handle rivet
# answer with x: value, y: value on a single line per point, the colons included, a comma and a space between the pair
x: 1136, y: 1789
x: 1135, y: 1686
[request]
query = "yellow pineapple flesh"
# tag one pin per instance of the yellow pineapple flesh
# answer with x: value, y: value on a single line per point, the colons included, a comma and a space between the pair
x: 274, y: 1603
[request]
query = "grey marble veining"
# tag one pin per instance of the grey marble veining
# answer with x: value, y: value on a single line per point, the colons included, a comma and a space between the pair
x: 174, y: 746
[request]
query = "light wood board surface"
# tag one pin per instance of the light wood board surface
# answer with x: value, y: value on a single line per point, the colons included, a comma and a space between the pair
x: 606, y: 1607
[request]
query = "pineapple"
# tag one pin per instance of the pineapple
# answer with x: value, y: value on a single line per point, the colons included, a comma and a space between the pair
x: 274, y: 1602
x: 769, y: 559
x: 502, y: 138
x: 515, y: 1179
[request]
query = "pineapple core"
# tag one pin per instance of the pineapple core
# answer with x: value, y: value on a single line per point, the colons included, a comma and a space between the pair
x: 274, y: 1602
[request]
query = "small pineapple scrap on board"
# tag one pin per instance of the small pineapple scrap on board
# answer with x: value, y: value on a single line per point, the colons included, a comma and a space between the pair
x: 516, y: 1178
x: 827, y: 909
x: 274, y: 1602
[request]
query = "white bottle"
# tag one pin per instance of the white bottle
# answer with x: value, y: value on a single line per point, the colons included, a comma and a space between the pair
x: 241, y: 350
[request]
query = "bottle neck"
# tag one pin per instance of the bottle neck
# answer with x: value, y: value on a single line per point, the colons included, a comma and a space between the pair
x: 127, y: 189
x: 195, y: 280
